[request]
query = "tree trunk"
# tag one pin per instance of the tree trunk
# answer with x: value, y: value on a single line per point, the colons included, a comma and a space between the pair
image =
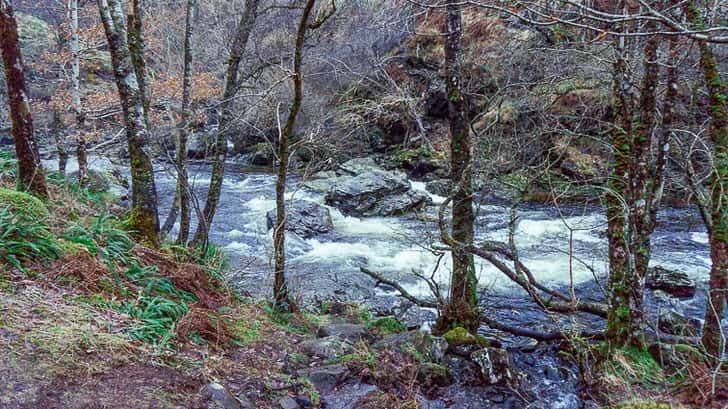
x: 143, y: 219
x: 621, y: 329
x: 135, y: 39
x: 57, y: 131
x: 181, y: 155
x: 31, y: 177
x: 462, y: 306
x: 280, y: 286
x: 245, y: 26
x: 81, y: 155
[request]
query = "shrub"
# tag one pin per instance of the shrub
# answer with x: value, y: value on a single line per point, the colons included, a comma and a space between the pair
x: 23, y: 239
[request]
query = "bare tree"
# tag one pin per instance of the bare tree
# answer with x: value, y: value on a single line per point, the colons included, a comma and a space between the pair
x: 462, y: 305
x: 31, y: 176
x: 240, y: 42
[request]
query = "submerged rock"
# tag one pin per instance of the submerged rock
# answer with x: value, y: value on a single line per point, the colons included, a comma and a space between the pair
x: 305, y: 218
x: 673, y: 282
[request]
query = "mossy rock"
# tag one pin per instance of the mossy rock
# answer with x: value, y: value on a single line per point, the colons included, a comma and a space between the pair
x: 22, y: 203
x: 461, y: 336
x: 387, y: 325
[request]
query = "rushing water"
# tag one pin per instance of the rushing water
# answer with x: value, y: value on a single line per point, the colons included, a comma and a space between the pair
x: 558, y: 245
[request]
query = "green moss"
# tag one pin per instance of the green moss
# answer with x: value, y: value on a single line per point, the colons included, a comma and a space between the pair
x: 23, y: 204
x: 245, y: 332
x: 387, y: 325
x: 461, y: 336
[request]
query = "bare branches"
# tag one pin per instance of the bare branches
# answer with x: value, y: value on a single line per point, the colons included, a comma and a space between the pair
x: 402, y: 291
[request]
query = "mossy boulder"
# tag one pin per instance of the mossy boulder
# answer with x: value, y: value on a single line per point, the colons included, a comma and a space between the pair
x: 23, y: 204
x: 460, y: 336
x: 423, y: 346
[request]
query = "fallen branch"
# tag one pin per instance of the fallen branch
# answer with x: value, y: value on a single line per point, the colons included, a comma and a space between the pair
x: 540, y: 336
x: 404, y: 293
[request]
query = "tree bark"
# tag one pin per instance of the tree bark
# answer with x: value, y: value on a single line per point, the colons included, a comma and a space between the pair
x: 144, y: 219
x: 462, y: 305
x: 57, y: 131
x: 81, y: 155
x: 620, y: 321
x: 245, y: 26
x: 31, y: 177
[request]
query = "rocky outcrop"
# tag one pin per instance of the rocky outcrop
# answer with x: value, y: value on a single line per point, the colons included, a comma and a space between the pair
x: 347, y: 332
x: 495, y: 365
x: 305, y: 218
x: 360, y: 187
x: 673, y: 282
x: 674, y: 323
x: 429, y: 347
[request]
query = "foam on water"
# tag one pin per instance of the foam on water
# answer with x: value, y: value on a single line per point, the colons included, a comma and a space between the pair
x: 421, y: 187
x: 354, y: 226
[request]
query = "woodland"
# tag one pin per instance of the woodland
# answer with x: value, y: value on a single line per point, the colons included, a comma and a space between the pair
x: 364, y: 204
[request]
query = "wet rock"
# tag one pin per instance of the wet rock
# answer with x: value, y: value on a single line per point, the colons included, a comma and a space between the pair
x: 327, y: 348
x: 495, y: 365
x: 305, y: 218
x: 375, y: 193
x: 326, y: 378
x: 348, y: 396
x: 673, y: 323
x: 263, y: 155
x: 288, y: 402
x: 673, y: 282
x: 222, y: 397
x: 431, y: 374
x: 429, y: 347
x: 95, y: 181
x: 440, y: 187
x: 414, y: 316
x: 199, y: 145
x: 348, y: 332
x: 357, y: 166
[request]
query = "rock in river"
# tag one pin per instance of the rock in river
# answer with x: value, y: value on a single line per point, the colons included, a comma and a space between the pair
x: 675, y: 283
x: 305, y: 218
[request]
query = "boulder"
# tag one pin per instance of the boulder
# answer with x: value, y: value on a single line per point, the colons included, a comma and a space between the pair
x: 330, y: 347
x: 430, y: 348
x: 375, y: 193
x: 357, y: 166
x: 673, y: 282
x: 326, y: 378
x: 95, y: 181
x: 263, y: 155
x: 495, y: 365
x: 431, y: 374
x: 288, y: 402
x: 348, y: 332
x: 348, y: 396
x: 199, y: 145
x: 440, y: 187
x: 674, y: 323
x: 305, y: 218
x: 223, y: 398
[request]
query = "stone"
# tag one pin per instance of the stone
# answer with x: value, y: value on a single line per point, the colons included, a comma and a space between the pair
x: 263, y: 155
x: 326, y: 378
x: 414, y: 316
x: 440, y: 187
x: 288, y: 402
x: 328, y: 348
x: 95, y: 181
x: 673, y: 282
x: 495, y: 365
x: 305, y: 218
x: 348, y: 332
x: 357, y: 166
x: 348, y: 396
x: 673, y: 323
x: 430, y: 374
x: 222, y: 397
x: 428, y: 347
x: 374, y: 193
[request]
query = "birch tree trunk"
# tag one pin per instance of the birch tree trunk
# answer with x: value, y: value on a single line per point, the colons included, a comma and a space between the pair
x: 81, y: 155
x: 31, y: 177
x: 143, y: 219
x: 245, y: 26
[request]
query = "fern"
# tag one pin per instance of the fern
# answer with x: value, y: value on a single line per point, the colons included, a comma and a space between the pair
x: 23, y: 240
